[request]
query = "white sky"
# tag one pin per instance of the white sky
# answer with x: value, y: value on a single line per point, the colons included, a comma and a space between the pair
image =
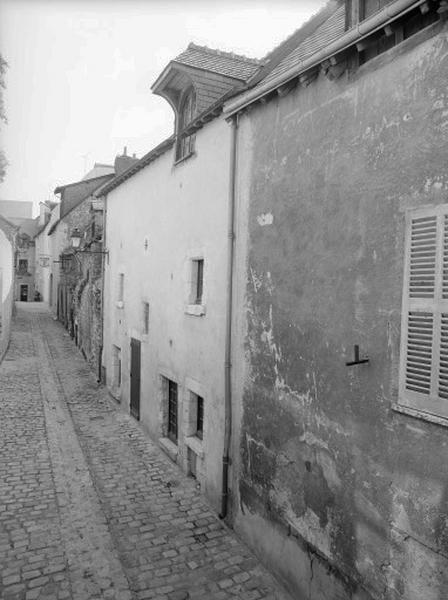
x: 78, y: 83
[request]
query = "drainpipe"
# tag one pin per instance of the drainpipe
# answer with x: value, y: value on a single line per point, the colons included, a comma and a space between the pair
x: 228, y: 333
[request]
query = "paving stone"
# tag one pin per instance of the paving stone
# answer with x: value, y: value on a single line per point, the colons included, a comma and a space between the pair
x: 151, y: 523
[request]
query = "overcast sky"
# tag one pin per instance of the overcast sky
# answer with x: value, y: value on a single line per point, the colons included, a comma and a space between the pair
x: 78, y: 83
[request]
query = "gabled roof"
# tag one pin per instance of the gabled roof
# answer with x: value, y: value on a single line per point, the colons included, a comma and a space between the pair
x: 99, y: 169
x: 74, y: 193
x: 27, y: 226
x: 224, y: 63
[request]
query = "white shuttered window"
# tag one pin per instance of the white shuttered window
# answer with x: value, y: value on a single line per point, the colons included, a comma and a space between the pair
x: 424, y: 345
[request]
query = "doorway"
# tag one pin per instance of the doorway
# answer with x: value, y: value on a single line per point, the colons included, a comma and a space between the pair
x: 135, y: 378
x: 23, y: 293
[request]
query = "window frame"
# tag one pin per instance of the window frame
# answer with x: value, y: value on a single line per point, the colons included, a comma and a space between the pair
x: 117, y: 368
x: 172, y: 422
x: 431, y: 404
x: 185, y: 143
x: 199, y: 417
x: 22, y: 270
x: 198, y: 280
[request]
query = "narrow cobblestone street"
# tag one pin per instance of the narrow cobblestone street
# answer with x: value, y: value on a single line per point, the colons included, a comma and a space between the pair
x: 89, y: 506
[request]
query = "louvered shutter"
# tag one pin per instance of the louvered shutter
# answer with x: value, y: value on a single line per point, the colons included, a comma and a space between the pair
x: 424, y: 350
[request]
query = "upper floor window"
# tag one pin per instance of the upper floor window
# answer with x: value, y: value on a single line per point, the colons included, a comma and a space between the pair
x: 424, y: 351
x: 23, y: 265
x: 392, y: 33
x: 187, y: 112
x: 358, y: 10
x: 368, y: 7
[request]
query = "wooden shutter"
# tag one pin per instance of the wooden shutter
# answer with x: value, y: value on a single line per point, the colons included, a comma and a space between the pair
x: 424, y: 349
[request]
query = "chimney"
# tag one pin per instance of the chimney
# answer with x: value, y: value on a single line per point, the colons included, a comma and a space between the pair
x: 124, y: 161
x: 43, y: 212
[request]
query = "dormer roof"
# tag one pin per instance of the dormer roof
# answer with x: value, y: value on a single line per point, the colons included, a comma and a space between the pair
x: 212, y: 74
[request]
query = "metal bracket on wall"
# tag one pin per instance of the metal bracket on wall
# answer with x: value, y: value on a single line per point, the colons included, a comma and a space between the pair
x: 357, y: 360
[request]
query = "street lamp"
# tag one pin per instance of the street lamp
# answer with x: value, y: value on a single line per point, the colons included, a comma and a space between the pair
x: 75, y: 238
x: 75, y: 242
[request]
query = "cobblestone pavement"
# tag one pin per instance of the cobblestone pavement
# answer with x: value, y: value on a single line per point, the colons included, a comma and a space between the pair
x: 89, y: 506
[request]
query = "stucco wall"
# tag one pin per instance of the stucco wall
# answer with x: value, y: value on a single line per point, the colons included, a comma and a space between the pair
x: 6, y: 291
x: 43, y: 263
x: 181, y: 213
x: 344, y: 497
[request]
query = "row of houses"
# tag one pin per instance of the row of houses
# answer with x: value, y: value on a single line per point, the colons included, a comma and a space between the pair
x: 265, y: 291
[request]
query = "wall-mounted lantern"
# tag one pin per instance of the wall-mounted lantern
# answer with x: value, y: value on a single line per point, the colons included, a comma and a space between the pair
x: 75, y: 242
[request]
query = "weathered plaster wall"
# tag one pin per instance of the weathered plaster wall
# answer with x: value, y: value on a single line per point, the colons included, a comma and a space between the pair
x: 157, y: 221
x: 43, y: 262
x: 343, y: 496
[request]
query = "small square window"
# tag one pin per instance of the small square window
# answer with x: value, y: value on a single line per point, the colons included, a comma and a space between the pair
x: 197, y: 281
x: 199, y: 417
x: 23, y: 265
x: 172, y: 411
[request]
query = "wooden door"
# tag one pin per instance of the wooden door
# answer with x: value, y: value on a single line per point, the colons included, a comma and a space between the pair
x: 24, y: 293
x: 135, y: 378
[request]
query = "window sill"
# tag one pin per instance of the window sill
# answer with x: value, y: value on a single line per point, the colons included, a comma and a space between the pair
x: 195, y: 444
x: 184, y: 158
x: 197, y: 310
x: 119, y: 304
x: 419, y: 414
x: 169, y: 448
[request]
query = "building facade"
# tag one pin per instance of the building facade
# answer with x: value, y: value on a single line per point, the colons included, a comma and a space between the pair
x: 70, y: 279
x: 165, y: 277
x: 20, y: 214
x: 340, y: 438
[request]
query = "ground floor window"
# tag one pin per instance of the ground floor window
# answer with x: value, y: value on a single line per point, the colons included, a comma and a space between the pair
x: 116, y: 355
x: 172, y: 410
x: 199, y: 417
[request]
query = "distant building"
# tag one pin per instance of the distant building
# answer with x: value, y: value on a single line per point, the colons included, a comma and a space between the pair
x: 70, y: 279
x: 15, y: 209
x: 20, y: 214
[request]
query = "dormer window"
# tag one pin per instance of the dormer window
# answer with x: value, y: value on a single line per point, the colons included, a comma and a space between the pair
x: 187, y: 112
x: 358, y: 10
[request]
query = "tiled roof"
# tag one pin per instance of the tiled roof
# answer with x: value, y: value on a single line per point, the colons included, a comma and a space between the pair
x: 330, y: 30
x: 285, y: 48
x: 217, y: 61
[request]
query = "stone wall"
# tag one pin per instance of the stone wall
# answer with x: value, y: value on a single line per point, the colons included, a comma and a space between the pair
x: 342, y: 495
x: 80, y: 285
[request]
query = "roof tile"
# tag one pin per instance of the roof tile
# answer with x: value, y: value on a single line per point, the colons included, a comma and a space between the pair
x: 224, y: 63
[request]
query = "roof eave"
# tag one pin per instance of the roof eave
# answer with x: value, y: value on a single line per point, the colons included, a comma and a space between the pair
x: 350, y: 38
